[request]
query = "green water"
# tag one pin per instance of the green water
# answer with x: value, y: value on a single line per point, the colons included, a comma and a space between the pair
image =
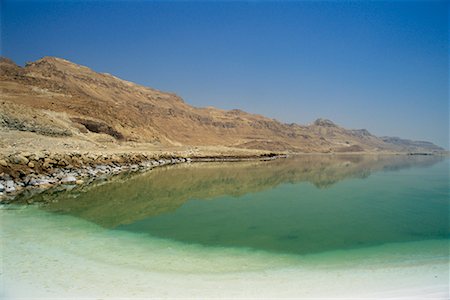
x: 405, y: 205
x: 300, y: 205
x: 308, y: 226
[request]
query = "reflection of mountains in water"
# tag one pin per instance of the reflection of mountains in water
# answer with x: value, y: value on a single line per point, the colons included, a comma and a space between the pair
x: 126, y: 199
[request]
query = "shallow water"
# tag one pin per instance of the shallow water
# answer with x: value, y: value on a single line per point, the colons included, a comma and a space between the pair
x: 307, y: 213
x: 301, y: 205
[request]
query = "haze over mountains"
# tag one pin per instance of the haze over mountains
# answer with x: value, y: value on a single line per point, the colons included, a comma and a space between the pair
x: 55, y: 97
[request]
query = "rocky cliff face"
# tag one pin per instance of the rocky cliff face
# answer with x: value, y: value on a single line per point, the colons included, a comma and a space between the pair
x: 53, y: 96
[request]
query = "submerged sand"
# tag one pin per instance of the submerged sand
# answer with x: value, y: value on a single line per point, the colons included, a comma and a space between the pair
x: 46, y: 255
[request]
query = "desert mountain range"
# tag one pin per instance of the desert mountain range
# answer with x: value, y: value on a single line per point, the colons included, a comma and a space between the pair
x: 55, y: 97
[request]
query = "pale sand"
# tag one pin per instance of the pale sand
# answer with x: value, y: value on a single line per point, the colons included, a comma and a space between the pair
x: 76, y: 259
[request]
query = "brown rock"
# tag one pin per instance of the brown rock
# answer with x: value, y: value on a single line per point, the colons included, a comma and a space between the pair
x: 62, y: 163
x: 19, y: 159
x: 49, y: 161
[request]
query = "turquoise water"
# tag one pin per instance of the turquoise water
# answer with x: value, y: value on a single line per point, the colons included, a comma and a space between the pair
x: 307, y: 226
x: 386, y: 207
x: 301, y: 205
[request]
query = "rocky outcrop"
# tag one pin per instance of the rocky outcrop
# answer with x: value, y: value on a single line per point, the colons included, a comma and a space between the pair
x: 17, y: 117
x: 99, y: 127
x: 324, y: 123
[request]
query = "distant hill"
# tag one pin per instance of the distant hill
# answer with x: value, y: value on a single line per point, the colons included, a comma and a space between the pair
x: 53, y: 96
x: 412, y: 146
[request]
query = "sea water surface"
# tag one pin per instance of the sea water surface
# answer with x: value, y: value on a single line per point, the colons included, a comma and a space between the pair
x: 374, y: 224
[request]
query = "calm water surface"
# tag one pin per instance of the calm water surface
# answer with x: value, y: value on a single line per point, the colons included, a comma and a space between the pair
x: 301, y: 205
x: 307, y: 226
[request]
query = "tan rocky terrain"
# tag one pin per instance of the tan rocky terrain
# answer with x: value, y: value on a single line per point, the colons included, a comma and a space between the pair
x: 58, y: 101
x: 61, y: 123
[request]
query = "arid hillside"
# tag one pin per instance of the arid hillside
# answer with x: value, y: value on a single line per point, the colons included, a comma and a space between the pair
x: 57, y: 98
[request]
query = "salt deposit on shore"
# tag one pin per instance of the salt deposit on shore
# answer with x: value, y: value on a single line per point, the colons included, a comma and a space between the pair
x: 77, y: 259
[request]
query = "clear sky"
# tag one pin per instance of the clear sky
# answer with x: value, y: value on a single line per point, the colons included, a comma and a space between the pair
x: 382, y: 66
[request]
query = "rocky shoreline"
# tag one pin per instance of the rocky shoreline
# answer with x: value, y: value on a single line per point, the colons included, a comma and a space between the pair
x: 39, y: 171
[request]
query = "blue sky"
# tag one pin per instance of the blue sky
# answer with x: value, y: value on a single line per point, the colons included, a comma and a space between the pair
x: 382, y: 66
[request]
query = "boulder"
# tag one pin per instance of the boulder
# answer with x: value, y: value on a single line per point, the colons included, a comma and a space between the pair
x: 76, y: 161
x: 49, y: 161
x: 62, y: 162
x: 69, y: 180
x: 38, y: 155
x: 10, y: 186
x: 39, y: 182
x: 19, y: 159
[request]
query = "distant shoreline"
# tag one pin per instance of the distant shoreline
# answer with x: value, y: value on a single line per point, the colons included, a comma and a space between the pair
x: 35, y: 172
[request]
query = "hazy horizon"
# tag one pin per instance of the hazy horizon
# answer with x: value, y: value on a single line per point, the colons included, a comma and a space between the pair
x: 382, y: 66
